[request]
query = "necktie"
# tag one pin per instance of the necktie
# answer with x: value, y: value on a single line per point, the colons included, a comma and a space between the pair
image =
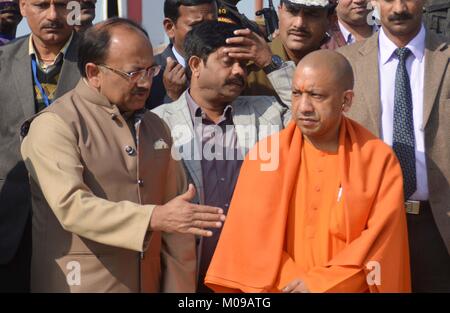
x: 403, y: 137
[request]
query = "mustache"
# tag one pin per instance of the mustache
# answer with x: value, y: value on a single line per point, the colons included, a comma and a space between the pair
x: 305, y: 115
x: 301, y: 30
x: 400, y: 17
x: 53, y: 25
x: 139, y: 90
x: 238, y: 80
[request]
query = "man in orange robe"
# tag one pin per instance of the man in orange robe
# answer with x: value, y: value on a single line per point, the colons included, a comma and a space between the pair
x: 331, y: 217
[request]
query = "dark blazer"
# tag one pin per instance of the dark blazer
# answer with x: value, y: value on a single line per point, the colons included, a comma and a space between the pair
x: 158, y: 94
x: 17, y: 104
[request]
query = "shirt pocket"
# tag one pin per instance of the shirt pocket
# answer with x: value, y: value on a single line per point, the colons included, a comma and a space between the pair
x: 337, y: 221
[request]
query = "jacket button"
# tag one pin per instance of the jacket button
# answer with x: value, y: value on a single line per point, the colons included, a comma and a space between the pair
x: 129, y: 150
x: 141, y: 182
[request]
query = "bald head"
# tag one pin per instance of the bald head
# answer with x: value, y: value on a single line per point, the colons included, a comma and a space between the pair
x: 112, y: 35
x: 321, y: 92
x: 331, y: 65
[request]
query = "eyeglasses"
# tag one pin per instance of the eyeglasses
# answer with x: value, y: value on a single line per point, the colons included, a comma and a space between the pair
x: 135, y: 76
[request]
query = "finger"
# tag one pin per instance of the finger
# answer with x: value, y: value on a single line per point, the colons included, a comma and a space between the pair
x: 184, y: 79
x: 175, y: 75
x: 240, y: 41
x: 239, y: 49
x: 303, y: 288
x: 242, y: 56
x: 208, y: 217
x: 171, y: 63
x: 199, y: 208
x: 189, y: 194
x: 179, y: 71
x: 291, y: 286
x: 242, y: 32
x: 203, y: 224
x: 200, y: 232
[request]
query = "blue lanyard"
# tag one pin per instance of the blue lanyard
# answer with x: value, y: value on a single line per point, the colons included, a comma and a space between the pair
x: 47, y: 101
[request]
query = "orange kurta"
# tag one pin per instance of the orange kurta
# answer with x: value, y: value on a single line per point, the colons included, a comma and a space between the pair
x: 316, y: 227
x: 275, y: 236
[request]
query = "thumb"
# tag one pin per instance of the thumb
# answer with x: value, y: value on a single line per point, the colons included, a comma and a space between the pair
x: 189, y: 194
x: 170, y: 61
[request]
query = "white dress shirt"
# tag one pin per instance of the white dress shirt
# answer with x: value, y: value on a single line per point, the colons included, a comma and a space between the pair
x: 415, y: 65
x: 178, y: 56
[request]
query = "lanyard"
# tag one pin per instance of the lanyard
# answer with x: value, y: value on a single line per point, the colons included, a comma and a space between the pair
x: 47, y: 101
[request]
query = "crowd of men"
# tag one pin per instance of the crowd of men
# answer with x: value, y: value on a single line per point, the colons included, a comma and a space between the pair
x: 317, y: 162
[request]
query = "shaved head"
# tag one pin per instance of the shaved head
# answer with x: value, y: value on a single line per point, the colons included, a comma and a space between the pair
x: 332, y: 64
x: 322, y: 89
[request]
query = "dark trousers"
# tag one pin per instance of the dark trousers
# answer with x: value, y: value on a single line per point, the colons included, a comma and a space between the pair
x: 430, y: 260
x: 15, y: 275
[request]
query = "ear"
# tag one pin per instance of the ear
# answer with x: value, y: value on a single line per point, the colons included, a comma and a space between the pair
x: 347, y: 101
x: 169, y: 28
x: 195, y: 64
x: 23, y: 5
x: 93, y: 74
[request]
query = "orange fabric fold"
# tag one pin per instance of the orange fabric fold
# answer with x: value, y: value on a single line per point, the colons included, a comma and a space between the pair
x: 250, y: 254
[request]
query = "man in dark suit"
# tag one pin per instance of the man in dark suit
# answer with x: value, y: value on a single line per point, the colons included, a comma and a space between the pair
x: 34, y: 71
x: 179, y: 18
x: 402, y: 93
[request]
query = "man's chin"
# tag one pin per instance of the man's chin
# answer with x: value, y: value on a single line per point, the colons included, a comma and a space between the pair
x: 402, y: 29
x: 299, y: 47
x: 138, y: 102
x: 232, y: 94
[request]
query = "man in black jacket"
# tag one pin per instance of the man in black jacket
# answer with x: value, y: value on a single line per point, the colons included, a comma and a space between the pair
x: 179, y: 18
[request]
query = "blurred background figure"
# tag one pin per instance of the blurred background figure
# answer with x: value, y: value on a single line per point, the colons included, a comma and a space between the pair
x: 10, y: 17
x: 179, y: 18
x: 87, y: 14
x: 352, y: 22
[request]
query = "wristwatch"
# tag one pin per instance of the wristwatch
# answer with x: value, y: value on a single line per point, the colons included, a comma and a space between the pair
x: 276, y: 64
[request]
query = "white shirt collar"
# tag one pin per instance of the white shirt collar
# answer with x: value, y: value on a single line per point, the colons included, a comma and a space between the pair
x: 178, y: 56
x: 347, y: 35
x: 387, y: 47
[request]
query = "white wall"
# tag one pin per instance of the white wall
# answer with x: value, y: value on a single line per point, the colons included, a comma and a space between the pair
x: 152, y: 20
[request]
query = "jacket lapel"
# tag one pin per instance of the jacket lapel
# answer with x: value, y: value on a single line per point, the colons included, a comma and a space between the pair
x: 436, y: 62
x: 70, y: 74
x: 180, y: 115
x: 23, y: 79
x: 370, y: 78
x: 242, y: 120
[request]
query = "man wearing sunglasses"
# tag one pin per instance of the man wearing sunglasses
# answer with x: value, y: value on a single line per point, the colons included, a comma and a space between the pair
x: 110, y: 208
